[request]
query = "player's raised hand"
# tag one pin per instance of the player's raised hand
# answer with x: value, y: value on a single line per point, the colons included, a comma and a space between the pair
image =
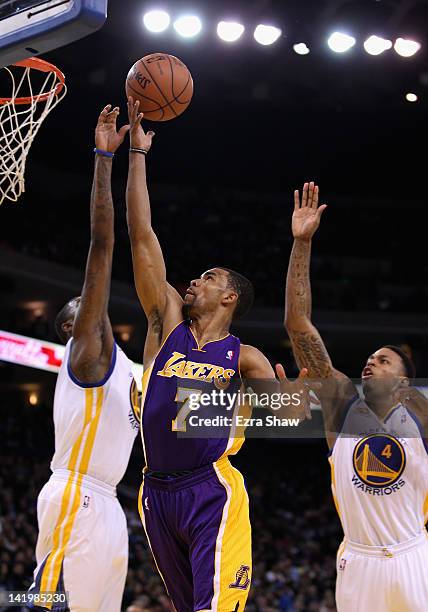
x: 107, y: 137
x: 307, y: 214
x: 300, y: 409
x: 139, y: 138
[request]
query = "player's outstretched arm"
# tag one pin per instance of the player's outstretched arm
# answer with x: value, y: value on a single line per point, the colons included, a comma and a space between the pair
x: 92, y: 333
x: 162, y: 307
x: 258, y: 375
x: 308, y: 347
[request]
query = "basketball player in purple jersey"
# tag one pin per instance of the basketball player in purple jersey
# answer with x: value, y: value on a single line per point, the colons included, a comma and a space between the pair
x: 193, y: 503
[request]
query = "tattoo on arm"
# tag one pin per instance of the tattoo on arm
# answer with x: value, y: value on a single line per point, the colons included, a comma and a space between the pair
x: 310, y: 352
x: 308, y: 348
x: 298, y: 289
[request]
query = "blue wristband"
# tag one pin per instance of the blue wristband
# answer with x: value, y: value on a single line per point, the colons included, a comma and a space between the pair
x: 103, y: 153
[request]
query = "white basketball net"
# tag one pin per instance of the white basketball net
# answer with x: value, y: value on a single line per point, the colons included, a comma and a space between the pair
x: 19, y: 124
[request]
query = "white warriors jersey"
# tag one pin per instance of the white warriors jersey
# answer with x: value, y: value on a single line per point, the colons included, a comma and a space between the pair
x: 95, y: 426
x: 380, y: 476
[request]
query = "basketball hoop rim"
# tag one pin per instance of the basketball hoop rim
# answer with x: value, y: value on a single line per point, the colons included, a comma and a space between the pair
x: 36, y: 63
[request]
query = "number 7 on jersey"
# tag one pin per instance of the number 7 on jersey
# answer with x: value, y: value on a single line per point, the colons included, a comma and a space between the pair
x: 183, y: 397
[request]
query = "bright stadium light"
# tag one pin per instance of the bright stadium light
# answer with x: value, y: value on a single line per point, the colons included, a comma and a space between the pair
x: 375, y: 45
x: 230, y: 31
x: 33, y: 399
x: 340, y: 42
x: 405, y: 47
x: 301, y: 48
x: 156, y: 21
x: 266, y: 35
x: 411, y: 97
x: 188, y: 26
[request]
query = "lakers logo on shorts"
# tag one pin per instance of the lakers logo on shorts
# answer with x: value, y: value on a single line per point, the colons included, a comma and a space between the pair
x: 379, y: 460
x: 242, y: 578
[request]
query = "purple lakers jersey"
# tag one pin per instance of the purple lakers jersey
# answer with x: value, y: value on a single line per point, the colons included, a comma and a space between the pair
x: 182, y: 369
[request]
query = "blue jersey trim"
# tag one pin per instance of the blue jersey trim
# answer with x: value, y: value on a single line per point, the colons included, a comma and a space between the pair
x: 421, y: 429
x: 393, y: 411
x: 93, y: 384
x: 60, y: 589
x: 344, y: 415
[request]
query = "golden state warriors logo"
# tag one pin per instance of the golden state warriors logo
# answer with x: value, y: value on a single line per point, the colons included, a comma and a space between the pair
x: 379, y: 460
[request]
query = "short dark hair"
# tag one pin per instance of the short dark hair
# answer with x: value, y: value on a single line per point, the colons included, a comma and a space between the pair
x: 408, y: 364
x: 64, y: 315
x: 245, y: 291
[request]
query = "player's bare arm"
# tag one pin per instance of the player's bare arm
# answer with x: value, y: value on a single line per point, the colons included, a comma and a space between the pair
x: 162, y: 307
x: 92, y: 333
x: 253, y: 364
x: 308, y: 347
x: 256, y: 370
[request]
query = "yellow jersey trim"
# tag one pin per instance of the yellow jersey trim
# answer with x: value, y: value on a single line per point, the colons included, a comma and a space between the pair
x: 71, y: 497
x: 200, y: 347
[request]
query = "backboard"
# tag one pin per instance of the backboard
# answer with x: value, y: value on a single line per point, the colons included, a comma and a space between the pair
x: 31, y: 27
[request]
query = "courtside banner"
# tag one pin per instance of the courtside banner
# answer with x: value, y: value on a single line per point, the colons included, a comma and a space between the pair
x: 40, y: 354
x: 30, y: 352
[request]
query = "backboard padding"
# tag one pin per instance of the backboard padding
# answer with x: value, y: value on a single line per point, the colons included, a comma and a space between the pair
x: 46, y: 25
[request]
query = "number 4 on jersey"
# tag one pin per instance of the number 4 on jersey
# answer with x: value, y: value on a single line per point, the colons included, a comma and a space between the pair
x: 387, y: 452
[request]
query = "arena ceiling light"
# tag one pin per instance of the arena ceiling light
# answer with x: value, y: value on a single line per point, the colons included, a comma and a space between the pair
x: 301, y: 48
x: 405, y: 47
x: 339, y: 42
x: 411, y: 97
x: 230, y: 31
x: 375, y: 45
x: 266, y: 34
x: 156, y: 21
x: 188, y: 26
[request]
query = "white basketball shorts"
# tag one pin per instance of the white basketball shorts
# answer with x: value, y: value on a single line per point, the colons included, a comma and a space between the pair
x: 82, y: 548
x: 383, y: 579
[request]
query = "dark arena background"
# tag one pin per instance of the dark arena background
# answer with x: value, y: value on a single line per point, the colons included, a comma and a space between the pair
x: 263, y: 120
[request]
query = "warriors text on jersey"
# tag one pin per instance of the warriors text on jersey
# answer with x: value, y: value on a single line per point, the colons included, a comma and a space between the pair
x: 380, y: 476
x: 380, y: 486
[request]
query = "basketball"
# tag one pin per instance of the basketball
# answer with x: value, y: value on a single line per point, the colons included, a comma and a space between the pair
x: 162, y: 84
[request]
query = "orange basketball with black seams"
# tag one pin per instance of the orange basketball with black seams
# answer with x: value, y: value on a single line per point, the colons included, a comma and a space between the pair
x: 163, y: 84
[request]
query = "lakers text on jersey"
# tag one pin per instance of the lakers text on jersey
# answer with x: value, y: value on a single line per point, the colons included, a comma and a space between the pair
x: 193, y: 503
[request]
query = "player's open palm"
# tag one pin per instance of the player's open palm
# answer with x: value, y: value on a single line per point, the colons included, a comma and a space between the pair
x: 107, y: 137
x: 139, y: 138
x: 297, y: 401
x: 307, y: 214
